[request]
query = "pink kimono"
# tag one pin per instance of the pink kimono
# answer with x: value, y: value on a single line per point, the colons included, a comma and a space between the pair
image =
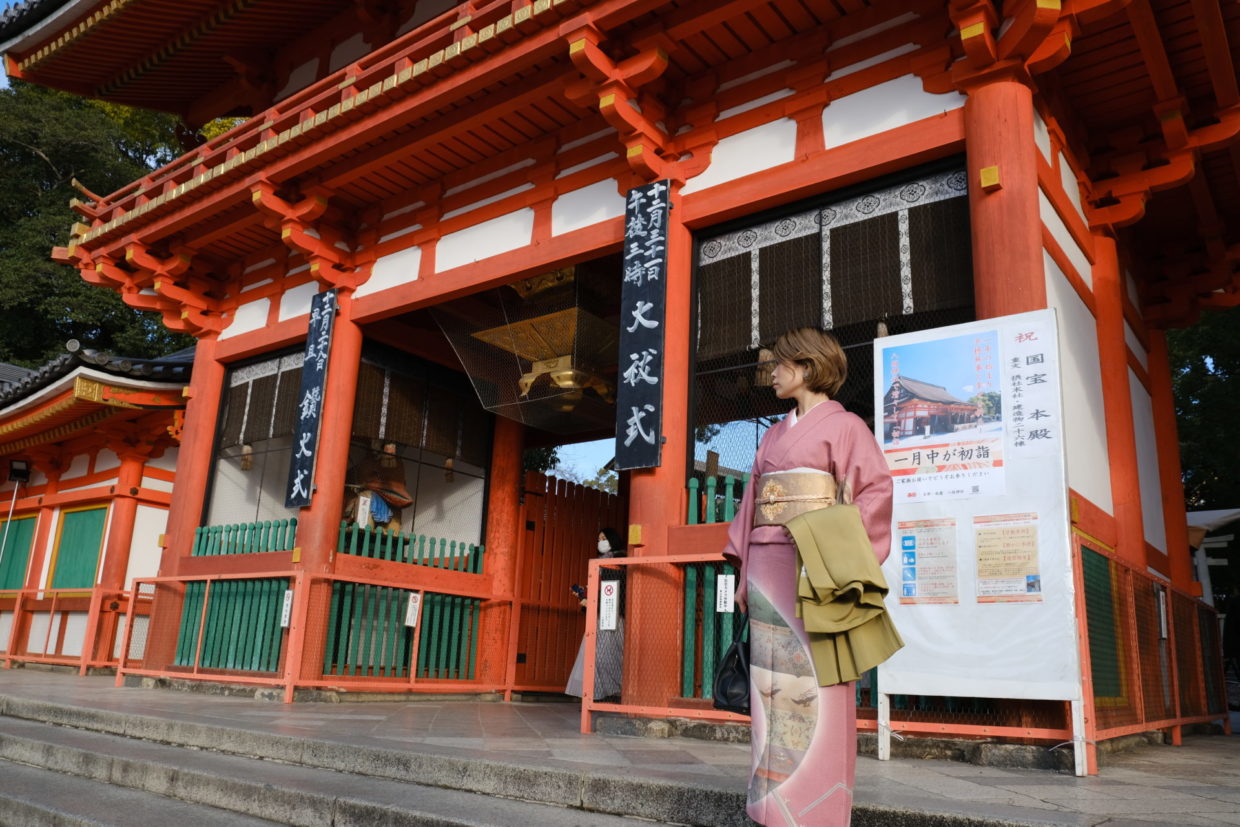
x: 804, y: 736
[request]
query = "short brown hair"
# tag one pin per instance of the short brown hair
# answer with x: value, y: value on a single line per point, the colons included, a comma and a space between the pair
x: 826, y: 366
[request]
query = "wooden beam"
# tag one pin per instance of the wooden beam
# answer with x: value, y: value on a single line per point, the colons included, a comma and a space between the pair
x: 1213, y: 32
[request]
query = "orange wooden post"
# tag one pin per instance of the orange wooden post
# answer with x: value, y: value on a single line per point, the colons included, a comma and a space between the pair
x: 657, y: 496
x: 116, y: 552
x: 1003, y: 198
x: 496, y: 651
x: 1175, y: 516
x: 1108, y: 285
x: 318, y: 526
x: 205, y: 392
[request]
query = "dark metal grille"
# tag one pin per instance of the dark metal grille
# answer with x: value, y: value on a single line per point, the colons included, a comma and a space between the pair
x: 897, y: 253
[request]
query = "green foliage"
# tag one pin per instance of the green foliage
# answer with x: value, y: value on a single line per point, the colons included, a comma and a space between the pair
x: 991, y: 402
x: 541, y: 460
x: 47, y: 139
x: 1205, y: 375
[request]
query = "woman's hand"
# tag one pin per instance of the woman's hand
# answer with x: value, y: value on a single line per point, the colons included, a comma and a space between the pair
x: 741, y: 601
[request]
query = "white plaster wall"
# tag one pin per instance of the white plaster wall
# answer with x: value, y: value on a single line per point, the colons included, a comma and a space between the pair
x: 488, y: 238
x: 6, y: 628
x: 1085, y: 434
x: 1041, y: 136
x: 745, y: 153
x: 588, y: 205
x: 47, y: 558
x: 299, y: 78
x: 144, y: 551
x: 450, y: 510
x: 1067, y: 178
x: 1147, y: 464
x: 75, y: 634
x: 1059, y: 232
x: 879, y: 108
x: 157, y: 484
x: 1134, y: 344
x: 296, y: 300
x: 106, y: 459
x: 77, y: 468
x: 37, y: 633
x: 247, y: 318
x: 166, y: 461
x: 392, y: 270
x: 1130, y: 284
x: 347, y: 51
x: 69, y: 486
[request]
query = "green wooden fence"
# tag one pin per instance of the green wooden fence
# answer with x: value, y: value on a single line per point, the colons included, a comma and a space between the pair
x: 245, y: 538
x: 716, y: 499
x: 367, y: 635
x: 418, y: 550
x: 242, y: 630
x: 707, y: 632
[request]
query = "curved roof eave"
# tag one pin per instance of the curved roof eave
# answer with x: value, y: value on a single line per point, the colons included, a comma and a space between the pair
x: 69, y: 12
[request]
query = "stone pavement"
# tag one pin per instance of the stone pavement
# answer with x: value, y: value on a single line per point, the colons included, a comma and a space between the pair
x: 1195, y: 784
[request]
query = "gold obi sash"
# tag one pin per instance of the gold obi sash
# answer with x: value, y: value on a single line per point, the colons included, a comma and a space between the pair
x: 784, y: 496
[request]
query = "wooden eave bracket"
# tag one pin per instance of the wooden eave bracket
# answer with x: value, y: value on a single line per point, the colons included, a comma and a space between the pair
x: 614, y: 88
x: 1037, y: 38
x: 330, y: 265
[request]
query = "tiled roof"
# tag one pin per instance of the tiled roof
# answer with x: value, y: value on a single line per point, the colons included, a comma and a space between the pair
x: 22, y: 15
x: 929, y: 392
x: 173, y: 368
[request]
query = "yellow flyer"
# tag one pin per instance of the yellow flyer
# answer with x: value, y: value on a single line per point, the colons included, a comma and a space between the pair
x: 1007, y: 558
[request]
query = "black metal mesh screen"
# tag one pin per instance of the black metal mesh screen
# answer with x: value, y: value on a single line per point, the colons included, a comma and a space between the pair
x: 898, y: 254
x: 543, y: 351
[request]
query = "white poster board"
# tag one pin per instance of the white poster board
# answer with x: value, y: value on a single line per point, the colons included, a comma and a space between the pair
x: 970, y: 420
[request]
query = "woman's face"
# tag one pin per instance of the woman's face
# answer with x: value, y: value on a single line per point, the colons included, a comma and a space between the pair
x: 787, y: 378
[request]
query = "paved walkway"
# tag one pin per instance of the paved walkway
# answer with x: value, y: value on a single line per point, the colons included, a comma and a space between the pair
x: 1196, y: 784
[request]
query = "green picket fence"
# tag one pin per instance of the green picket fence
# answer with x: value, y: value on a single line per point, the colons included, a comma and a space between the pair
x: 244, y: 538
x: 707, y: 632
x: 367, y: 635
x: 418, y: 550
x: 716, y: 499
x: 242, y: 624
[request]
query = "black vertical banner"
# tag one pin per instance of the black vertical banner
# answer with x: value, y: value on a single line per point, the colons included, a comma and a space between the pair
x: 310, y: 401
x: 643, y: 303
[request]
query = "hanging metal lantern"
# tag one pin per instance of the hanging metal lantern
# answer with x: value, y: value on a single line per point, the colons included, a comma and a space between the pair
x: 542, y: 351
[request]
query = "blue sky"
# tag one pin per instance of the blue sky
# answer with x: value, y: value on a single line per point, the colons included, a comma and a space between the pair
x: 948, y: 363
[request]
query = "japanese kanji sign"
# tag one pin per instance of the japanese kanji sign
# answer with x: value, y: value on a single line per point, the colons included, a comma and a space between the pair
x: 643, y: 295
x: 310, y: 401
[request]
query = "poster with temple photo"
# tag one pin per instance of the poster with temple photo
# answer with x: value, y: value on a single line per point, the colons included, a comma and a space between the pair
x: 943, y: 417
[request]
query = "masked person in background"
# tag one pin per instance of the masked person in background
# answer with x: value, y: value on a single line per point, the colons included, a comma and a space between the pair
x: 609, y: 643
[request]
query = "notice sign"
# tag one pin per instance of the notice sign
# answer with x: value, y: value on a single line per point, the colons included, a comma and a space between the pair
x: 928, y: 561
x: 608, y: 603
x: 725, y: 593
x: 1007, y: 558
x: 413, y: 609
x: 286, y: 611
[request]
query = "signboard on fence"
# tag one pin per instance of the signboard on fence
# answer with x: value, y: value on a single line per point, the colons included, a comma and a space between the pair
x: 969, y: 418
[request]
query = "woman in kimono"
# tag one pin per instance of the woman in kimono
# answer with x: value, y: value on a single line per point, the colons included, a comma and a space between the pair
x: 804, y: 736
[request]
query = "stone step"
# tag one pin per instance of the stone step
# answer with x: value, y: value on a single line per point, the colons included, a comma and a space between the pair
x: 264, y: 789
x: 36, y: 797
x: 158, y: 754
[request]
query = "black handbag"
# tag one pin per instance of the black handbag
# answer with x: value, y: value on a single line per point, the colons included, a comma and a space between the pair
x: 731, y: 691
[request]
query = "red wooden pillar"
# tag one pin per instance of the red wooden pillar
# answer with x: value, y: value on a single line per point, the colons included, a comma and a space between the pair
x: 496, y: 653
x: 204, y: 392
x: 1108, y: 283
x: 115, y: 555
x: 1175, y: 518
x: 318, y: 526
x: 1008, y: 274
x: 657, y: 497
